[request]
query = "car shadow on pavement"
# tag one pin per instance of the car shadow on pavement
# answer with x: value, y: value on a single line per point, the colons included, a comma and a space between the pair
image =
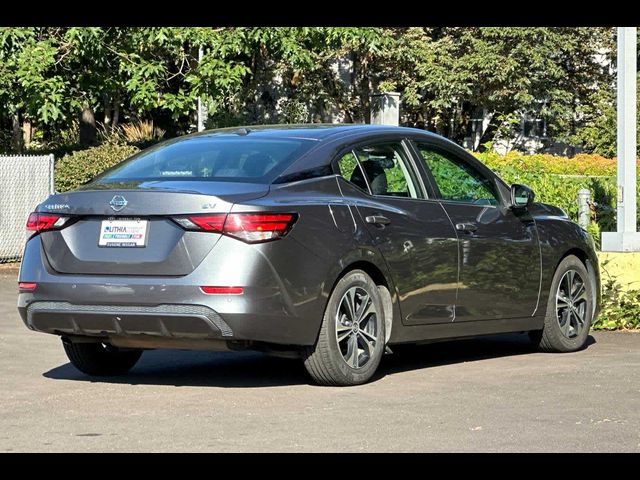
x: 199, y: 369
x: 255, y: 370
x: 415, y: 357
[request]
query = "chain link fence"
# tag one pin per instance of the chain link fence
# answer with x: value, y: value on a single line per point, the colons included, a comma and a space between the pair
x: 25, y: 181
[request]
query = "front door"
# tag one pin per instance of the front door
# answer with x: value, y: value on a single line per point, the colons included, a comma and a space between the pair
x: 499, y: 251
x: 412, y: 232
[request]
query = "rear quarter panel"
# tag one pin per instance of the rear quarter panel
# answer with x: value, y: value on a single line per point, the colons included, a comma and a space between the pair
x: 327, y: 238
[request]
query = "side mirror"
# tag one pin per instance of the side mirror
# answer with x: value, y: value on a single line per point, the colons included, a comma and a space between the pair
x: 521, y: 196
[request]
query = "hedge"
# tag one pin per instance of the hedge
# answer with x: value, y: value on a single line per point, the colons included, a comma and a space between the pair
x: 581, y: 164
x: 78, y: 167
x: 556, y: 180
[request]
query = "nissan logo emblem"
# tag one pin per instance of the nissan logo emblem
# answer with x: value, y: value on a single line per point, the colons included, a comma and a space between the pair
x: 118, y: 202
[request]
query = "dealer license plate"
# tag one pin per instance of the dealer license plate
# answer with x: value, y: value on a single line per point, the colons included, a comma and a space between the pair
x: 123, y: 233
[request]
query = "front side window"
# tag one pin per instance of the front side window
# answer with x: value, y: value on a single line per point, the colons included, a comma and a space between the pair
x: 456, y: 179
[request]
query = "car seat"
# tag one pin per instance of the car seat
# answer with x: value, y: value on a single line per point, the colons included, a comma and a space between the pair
x: 375, y: 174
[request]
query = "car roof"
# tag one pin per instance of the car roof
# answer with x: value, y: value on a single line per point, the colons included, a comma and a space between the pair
x: 327, y: 137
x: 313, y: 131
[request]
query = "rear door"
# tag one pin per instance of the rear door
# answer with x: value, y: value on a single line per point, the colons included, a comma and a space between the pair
x: 411, y: 230
x: 498, y: 249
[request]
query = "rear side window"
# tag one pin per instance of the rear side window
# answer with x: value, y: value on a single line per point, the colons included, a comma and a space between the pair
x: 215, y: 157
x: 350, y: 170
x: 380, y: 169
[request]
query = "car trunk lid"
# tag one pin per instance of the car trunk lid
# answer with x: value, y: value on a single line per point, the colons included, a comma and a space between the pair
x: 168, y: 249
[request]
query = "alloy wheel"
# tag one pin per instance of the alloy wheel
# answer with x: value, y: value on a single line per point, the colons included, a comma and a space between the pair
x: 571, y: 304
x: 357, y: 327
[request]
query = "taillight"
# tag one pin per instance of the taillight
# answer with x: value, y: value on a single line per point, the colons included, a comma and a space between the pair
x: 40, y: 222
x: 222, y: 290
x: 210, y: 223
x: 248, y: 227
x: 258, y: 227
x: 27, y: 286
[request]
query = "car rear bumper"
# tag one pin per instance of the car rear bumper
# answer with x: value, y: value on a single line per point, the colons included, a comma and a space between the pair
x: 174, y: 321
x: 271, y: 309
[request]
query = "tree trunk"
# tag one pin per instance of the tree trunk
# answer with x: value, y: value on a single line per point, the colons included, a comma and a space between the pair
x: 116, y: 112
x: 27, y: 133
x: 87, y: 127
x: 107, y: 113
x: 17, y: 133
x: 489, y: 133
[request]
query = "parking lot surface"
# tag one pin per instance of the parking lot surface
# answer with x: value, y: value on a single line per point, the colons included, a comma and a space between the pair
x: 493, y: 394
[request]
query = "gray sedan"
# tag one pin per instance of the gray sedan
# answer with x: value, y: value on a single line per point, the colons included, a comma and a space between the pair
x: 331, y: 243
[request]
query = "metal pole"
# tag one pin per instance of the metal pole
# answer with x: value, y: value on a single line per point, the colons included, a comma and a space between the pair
x: 626, y: 238
x: 52, y: 174
x: 627, y: 129
x: 200, y: 112
x: 584, y: 212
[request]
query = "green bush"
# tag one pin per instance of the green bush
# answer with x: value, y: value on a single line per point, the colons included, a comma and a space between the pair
x: 556, y: 180
x: 620, y: 308
x: 76, y: 168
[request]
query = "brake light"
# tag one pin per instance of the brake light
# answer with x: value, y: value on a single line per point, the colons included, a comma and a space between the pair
x: 26, y: 286
x: 258, y: 227
x: 248, y: 227
x: 222, y: 290
x: 40, y: 222
x: 210, y: 223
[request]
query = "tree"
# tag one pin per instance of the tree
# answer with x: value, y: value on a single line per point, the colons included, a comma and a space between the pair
x: 447, y: 73
x: 58, y: 81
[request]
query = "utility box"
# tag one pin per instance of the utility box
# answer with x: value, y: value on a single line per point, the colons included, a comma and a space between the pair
x: 385, y: 108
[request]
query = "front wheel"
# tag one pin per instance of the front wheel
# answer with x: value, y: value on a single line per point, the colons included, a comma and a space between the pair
x: 569, y: 309
x: 352, y: 336
x: 100, y: 359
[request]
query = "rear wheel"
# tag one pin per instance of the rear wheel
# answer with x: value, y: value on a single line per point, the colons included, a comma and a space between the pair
x: 100, y: 359
x: 351, y: 340
x: 569, y: 309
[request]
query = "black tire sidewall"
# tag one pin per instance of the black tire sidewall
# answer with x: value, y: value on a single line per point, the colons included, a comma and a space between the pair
x: 552, y: 333
x: 94, y: 359
x: 355, y: 278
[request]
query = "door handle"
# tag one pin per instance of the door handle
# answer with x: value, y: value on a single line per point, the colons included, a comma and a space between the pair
x: 378, y: 220
x: 466, y: 227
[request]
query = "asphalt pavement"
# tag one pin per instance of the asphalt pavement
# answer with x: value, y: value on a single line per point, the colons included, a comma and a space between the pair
x: 491, y: 395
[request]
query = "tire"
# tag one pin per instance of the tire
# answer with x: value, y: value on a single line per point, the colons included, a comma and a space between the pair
x: 557, y: 335
x: 100, y: 359
x: 332, y: 362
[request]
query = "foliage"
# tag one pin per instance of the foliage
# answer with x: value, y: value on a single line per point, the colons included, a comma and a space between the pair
x: 556, y: 180
x: 620, y: 308
x: 594, y: 230
x: 140, y: 133
x: 447, y: 74
x: 599, y: 132
x: 454, y: 182
x: 581, y: 164
x: 76, y: 168
x: 257, y: 75
x: 293, y: 111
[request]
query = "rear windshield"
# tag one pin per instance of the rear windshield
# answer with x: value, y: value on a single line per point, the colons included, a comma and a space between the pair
x: 221, y: 158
